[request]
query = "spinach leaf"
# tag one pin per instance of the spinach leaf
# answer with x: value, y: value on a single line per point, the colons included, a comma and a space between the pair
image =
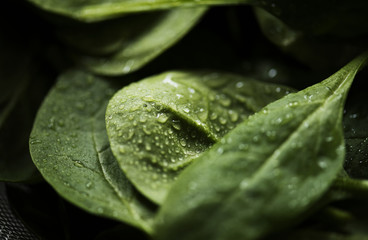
x: 104, y: 38
x: 69, y: 146
x: 96, y: 10
x: 340, y: 19
x: 266, y: 173
x: 139, y: 44
x: 333, y: 52
x: 159, y: 125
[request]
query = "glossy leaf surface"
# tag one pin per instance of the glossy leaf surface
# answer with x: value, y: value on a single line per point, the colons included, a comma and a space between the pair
x: 159, y: 125
x: 70, y: 147
x: 94, y: 10
x: 267, y: 172
x: 137, y: 42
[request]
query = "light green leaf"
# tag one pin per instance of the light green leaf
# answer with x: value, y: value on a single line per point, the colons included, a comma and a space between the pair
x: 70, y: 148
x: 95, y: 10
x: 139, y: 41
x: 159, y: 125
x: 266, y: 173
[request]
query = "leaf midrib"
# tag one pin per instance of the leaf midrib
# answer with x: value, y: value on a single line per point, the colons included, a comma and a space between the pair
x: 235, y: 192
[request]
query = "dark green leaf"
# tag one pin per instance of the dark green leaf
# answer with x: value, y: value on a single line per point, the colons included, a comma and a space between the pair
x: 266, y: 173
x: 139, y: 40
x: 70, y: 147
x: 161, y: 124
x: 333, y: 52
x: 338, y: 18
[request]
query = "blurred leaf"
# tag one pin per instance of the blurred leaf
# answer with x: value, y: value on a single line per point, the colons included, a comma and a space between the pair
x: 136, y: 43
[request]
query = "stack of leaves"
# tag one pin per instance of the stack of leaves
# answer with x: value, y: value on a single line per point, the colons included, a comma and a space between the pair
x: 163, y: 121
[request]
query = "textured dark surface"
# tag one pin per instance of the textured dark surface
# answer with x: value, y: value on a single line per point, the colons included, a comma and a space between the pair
x: 11, y: 227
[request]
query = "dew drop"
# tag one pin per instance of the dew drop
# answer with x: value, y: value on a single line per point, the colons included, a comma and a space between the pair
x: 35, y: 141
x: 77, y: 163
x: 234, y: 116
x: 147, y: 130
x: 217, y: 128
x: 224, y: 101
x: 176, y: 124
x: 122, y: 149
x: 329, y: 139
x: 162, y: 118
x: 293, y: 104
x: 129, y: 134
x: 322, y: 164
x: 244, y: 184
x: 143, y: 118
x: 183, y: 143
x: 148, y: 98
x: 239, y: 84
x: 148, y: 147
x: 213, y: 116
x: 89, y: 185
x: 272, y: 73
x: 191, y: 90
x: 220, y: 150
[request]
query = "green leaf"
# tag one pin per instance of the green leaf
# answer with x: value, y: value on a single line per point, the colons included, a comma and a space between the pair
x: 333, y: 52
x: 139, y: 40
x: 267, y: 172
x: 70, y: 147
x: 159, y: 125
x: 95, y: 10
x: 340, y: 18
